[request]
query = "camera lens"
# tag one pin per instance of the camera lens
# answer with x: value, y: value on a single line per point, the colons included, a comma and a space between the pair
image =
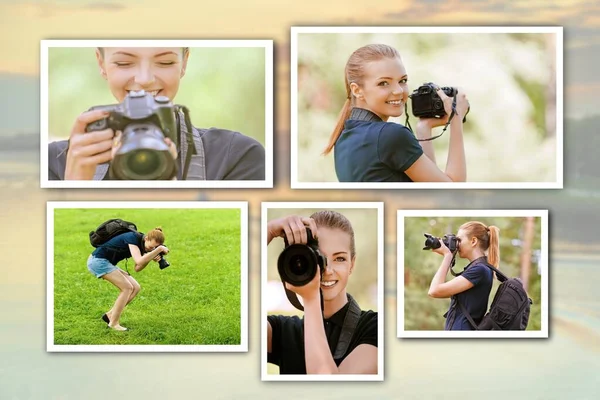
x: 297, y: 264
x: 143, y: 162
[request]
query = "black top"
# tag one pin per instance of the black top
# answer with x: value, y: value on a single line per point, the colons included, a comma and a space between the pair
x: 287, y: 341
x: 117, y: 248
x: 371, y: 150
x: 229, y: 156
x: 475, y: 300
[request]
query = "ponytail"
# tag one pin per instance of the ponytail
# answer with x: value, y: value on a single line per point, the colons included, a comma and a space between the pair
x: 339, y: 127
x: 494, y: 248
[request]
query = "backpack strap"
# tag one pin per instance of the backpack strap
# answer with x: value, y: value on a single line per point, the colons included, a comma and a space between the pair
x: 499, y: 274
x: 348, y: 328
x: 192, y: 163
x: 466, y: 313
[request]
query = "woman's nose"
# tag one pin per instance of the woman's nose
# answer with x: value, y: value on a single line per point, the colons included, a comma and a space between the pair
x: 144, y: 76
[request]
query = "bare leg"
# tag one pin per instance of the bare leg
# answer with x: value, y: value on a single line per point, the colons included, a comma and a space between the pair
x: 136, y: 290
x: 126, y: 289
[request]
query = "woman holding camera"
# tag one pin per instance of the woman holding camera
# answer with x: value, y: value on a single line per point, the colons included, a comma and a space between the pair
x: 471, y: 289
x: 307, y: 345
x: 103, y: 260
x: 220, y: 154
x: 367, y: 148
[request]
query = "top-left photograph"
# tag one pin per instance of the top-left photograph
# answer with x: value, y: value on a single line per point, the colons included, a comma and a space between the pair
x: 156, y: 113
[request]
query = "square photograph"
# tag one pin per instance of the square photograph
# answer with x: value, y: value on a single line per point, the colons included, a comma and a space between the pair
x: 322, y: 292
x: 473, y: 273
x: 426, y: 107
x: 147, y: 277
x: 156, y: 113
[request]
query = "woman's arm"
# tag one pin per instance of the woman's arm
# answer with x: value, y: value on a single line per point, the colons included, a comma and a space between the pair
x: 439, y: 288
x: 142, y: 261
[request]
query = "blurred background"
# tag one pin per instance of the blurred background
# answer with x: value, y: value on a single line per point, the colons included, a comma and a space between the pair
x: 520, y: 252
x: 510, y: 81
x: 222, y: 87
x: 362, y: 284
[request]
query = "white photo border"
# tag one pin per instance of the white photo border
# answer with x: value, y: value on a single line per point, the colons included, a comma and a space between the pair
x: 295, y: 31
x: 542, y: 333
x: 267, y: 183
x: 54, y: 205
x: 379, y: 206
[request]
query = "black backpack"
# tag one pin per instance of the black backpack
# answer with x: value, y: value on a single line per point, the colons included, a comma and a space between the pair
x: 510, y: 308
x: 109, y: 229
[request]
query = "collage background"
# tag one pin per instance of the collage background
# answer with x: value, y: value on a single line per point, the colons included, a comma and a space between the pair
x: 563, y: 366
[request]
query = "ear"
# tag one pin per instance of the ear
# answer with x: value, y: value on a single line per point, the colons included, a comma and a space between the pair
x: 474, y: 241
x: 100, y: 60
x: 184, y: 63
x: 356, y: 90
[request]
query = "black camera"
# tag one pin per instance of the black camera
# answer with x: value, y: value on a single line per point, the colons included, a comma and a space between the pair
x: 298, y: 264
x: 163, y: 263
x: 145, y: 121
x: 450, y: 240
x: 427, y: 104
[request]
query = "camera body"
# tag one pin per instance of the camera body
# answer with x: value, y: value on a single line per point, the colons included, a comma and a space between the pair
x: 427, y: 104
x: 298, y: 264
x: 145, y: 121
x: 450, y: 240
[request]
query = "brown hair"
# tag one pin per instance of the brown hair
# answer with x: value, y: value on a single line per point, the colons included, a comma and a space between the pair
x: 353, y: 73
x: 335, y: 220
x: 156, y: 234
x: 488, y: 238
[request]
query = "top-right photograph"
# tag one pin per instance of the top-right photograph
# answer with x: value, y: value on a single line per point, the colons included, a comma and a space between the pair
x: 426, y: 107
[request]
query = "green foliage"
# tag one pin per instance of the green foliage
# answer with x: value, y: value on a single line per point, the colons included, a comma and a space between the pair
x: 424, y: 313
x: 194, y: 301
x: 222, y: 87
x: 504, y: 76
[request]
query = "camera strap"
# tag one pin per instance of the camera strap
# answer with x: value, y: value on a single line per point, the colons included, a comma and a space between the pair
x: 349, y: 326
x: 191, y: 147
x: 293, y: 298
x: 452, y: 114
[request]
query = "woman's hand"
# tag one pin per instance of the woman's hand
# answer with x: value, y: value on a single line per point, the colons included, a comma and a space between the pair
x: 88, y: 149
x: 442, y: 250
x: 164, y: 250
x: 292, y: 227
x: 308, y: 292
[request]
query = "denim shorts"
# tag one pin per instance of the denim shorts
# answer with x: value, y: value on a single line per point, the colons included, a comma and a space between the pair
x: 100, y: 266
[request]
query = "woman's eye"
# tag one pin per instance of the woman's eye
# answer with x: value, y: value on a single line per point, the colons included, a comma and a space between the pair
x: 166, y: 63
x: 340, y: 259
x: 404, y: 80
x: 123, y: 64
x: 383, y: 83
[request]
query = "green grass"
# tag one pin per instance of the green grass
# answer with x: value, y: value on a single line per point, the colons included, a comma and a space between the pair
x: 195, y: 301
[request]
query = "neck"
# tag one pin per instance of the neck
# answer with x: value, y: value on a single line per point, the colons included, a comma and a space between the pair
x: 476, y: 255
x: 332, y: 306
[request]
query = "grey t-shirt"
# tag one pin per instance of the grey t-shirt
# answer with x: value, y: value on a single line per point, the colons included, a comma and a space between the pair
x: 229, y: 155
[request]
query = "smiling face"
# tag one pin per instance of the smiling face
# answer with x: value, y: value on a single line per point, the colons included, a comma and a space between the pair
x: 155, y: 70
x: 383, y: 89
x: 335, y: 244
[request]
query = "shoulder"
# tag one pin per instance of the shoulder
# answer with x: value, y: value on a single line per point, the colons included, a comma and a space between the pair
x: 58, y: 147
x: 219, y: 136
x: 57, y: 159
x: 394, y: 132
x: 284, y: 320
x: 477, y: 272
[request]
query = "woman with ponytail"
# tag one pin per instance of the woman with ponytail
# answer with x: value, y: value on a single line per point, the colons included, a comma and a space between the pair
x: 143, y: 248
x: 367, y: 148
x: 473, y: 286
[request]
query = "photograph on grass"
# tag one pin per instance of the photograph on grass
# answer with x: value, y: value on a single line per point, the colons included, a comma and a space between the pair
x: 156, y: 113
x: 473, y: 273
x: 426, y: 107
x: 322, y: 291
x: 147, y: 276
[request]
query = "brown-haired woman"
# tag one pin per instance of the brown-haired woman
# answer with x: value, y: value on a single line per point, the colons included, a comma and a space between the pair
x: 307, y: 345
x: 102, y: 264
x: 473, y: 286
x: 367, y: 148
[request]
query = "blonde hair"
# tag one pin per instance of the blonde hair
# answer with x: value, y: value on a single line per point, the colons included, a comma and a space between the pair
x: 335, y: 220
x: 488, y: 238
x: 354, y: 73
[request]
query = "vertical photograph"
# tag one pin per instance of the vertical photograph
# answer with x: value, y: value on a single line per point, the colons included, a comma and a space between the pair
x: 156, y: 113
x: 426, y: 107
x: 147, y: 276
x: 322, y: 292
x: 473, y: 273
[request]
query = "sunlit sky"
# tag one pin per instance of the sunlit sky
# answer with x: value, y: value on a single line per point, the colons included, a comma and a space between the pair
x: 32, y: 20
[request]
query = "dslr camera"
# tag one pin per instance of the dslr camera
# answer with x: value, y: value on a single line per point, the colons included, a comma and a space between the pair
x: 298, y: 264
x: 427, y: 104
x: 163, y: 263
x: 145, y: 121
x: 450, y: 240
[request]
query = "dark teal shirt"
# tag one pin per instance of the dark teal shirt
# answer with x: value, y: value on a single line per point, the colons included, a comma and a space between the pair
x: 375, y: 151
